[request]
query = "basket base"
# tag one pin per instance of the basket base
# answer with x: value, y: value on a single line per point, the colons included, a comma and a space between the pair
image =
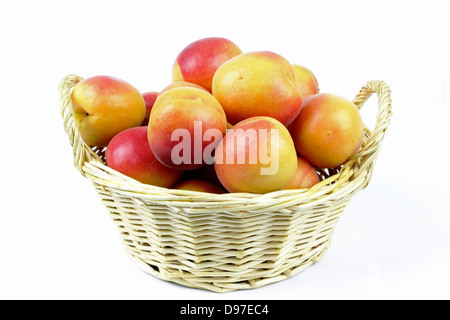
x: 232, y: 282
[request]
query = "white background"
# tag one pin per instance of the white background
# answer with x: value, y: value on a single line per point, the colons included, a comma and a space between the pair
x: 57, y: 240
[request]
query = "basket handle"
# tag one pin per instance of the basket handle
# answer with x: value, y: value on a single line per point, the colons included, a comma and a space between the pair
x: 81, y: 151
x: 371, y: 147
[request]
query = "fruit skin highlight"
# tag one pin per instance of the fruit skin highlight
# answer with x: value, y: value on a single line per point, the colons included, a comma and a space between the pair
x: 328, y: 130
x: 103, y: 106
x: 256, y: 176
x: 260, y: 83
x: 198, y: 62
x: 129, y: 153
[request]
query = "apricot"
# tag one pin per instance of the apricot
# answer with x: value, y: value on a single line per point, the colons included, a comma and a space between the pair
x: 258, y: 83
x: 198, y: 62
x: 257, y: 156
x: 206, y: 173
x: 103, y: 106
x: 130, y: 154
x: 306, y: 80
x: 149, y: 98
x: 305, y: 177
x: 198, y: 185
x: 186, y: 124
x: 177, y: 84
x: 328, y: 130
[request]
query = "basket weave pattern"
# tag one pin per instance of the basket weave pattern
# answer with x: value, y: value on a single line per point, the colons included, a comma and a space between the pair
x: 225, y: 242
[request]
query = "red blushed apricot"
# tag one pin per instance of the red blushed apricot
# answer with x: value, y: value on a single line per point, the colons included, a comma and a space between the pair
x: 104, y: 106
x: 305, y: 177
x: 328, y: 130
x: 130, y: 154
x: 206, y: 173
x: 177, y: 84
x: 198, y: 62
x: 258, y: 83
x: 256, y: 156
x: 306, y: 80
x: 149, y: 98
x: 198, y: 185
x: 178, y: 126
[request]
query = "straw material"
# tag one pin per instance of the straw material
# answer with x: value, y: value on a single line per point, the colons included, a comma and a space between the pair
x: 225, y: 242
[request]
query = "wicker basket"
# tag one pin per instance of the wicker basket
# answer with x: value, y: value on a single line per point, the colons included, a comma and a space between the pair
x: 231, y: 241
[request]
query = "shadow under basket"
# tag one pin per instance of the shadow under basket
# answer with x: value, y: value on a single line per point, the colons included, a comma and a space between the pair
x: 225, y: 242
